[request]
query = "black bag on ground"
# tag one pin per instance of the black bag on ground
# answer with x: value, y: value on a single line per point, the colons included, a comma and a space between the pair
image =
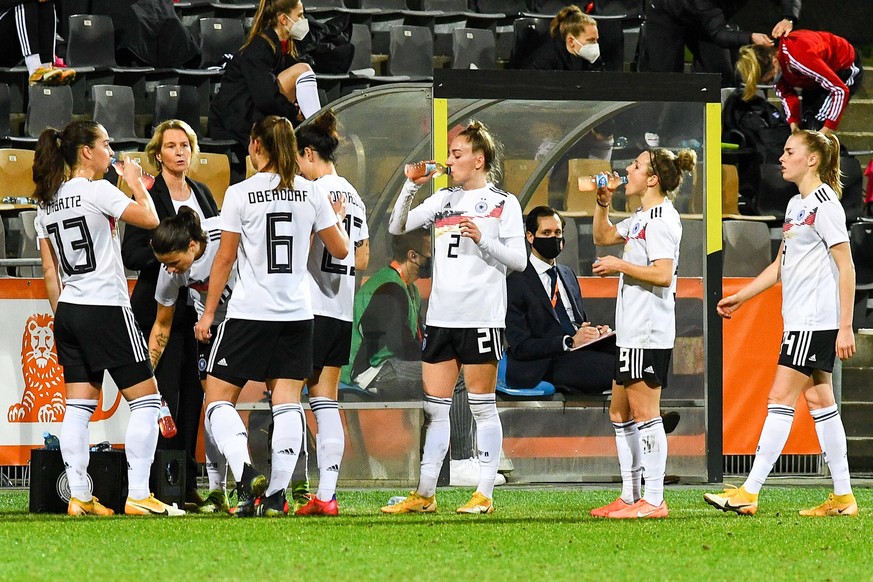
x: 760, y: 129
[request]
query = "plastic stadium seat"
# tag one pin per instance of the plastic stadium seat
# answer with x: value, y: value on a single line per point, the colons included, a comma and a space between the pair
x: 219, y: 37
x: 411, y: 52
x: 746, y: 248
x: 528, y: 34
x: 861, y: 242
x: 691, y: 253
x: 46, y: 107
x: 473, y: 48
x: 542, y: 390
x: 214, y: 171
x: 177, y: 102
x: 114, y: 110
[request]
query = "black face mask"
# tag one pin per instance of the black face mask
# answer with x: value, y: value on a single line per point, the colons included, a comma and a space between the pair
x: 549, y: 247
x: 425, y: 268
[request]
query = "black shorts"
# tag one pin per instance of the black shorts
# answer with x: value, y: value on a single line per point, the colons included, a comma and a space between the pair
x: 466, y: 345
x: 203, y: 351
x: 806, y: 351
x: 261, y: 350
x: 331, y: 342
x: 94, y: 338
x: 650, y: 365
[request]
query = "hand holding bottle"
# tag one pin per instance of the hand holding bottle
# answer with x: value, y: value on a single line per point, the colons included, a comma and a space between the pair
x: 421, y: 172
x: 130, y: 170
x: 602, y: 180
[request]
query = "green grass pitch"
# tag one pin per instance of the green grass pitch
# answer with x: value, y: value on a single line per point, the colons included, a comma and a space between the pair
x: 535, y: 534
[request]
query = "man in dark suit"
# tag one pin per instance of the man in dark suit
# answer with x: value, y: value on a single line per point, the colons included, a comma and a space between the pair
x: 545, y: 319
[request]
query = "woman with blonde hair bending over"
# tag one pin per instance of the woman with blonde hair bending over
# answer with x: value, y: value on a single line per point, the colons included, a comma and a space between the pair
x: 478, y: 238
x: 266, y: 222
x: 86, y: 287
x: 645, y: 324
x: 815, y: 267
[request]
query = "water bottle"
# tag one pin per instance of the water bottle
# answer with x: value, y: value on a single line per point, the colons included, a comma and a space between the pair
x: 147, y: 179
x: 396, y: 499
x: 52, y: 442
x: 422, y: 169
x: 166, y: 422
x: 604, y: 180
x: 101, y: 447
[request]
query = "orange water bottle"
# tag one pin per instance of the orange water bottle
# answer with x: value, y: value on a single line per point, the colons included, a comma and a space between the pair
x: 422, y: 169
x: 166, y: 422
x: 147, y: 179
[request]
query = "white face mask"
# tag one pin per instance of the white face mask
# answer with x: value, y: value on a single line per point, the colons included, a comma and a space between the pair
x: 299, y: 29
x: 589, y: 52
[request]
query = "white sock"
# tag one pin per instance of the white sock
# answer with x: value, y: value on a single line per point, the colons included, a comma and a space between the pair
x: 216, y: 464
x: 489, y: 439
x: 301, y: 469
x: 287, y: 437
x: 140, y: 442
x: 832, y: 439
x: 74, y: 445
x: 307, y: 94
x: 437, y: 432
x: 653, y: 458
x: 230, y: 435
x: 32, y: 63
x: 770, y: 445
x: 330, y: 445
x: 627, y: 442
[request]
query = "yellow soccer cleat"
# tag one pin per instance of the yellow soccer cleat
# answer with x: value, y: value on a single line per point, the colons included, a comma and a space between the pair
x: 150, y: 506
x: 414, y: 503
x: 732, y: 499
x: 477, y: 504
x: 835, y: 505
x: 93, y: 507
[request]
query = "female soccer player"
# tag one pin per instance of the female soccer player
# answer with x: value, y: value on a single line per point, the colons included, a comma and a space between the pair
x: 267, y: 334
x: 186, y: 249
x: 645, y: 324
x: 76, y: 224
x: 815, y: 266
x: 332, y: 282
x: 478, y: 237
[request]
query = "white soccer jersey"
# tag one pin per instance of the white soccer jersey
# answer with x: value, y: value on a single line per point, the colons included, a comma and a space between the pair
x: 645, y: 313
x: 332, y: 280
x: 810, y: 279
x: 80, y: 223
x: 274, y: 226
x: 469, y: 285
x: 196, y: 279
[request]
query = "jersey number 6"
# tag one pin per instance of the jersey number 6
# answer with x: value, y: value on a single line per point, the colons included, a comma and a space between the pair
x: 279, y: 246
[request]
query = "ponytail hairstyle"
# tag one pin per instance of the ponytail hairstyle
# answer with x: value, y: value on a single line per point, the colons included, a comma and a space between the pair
x: 320, y: 136
x: 481, y: 140
x: 754, y: 62
x: 267, y: 17
x: 57, y: 153
x: 570, y: 21
x: 279, y: 144
x: 668, y: 167
x: 828, y: 149
x: 175, y: 233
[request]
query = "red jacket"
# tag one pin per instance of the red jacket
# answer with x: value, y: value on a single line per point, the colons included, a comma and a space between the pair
x: 811, y: 59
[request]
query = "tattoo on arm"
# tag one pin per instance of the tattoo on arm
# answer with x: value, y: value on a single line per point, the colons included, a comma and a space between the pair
x: 156, y: 353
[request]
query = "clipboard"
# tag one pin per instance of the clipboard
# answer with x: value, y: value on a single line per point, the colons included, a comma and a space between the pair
x: 607, y: 336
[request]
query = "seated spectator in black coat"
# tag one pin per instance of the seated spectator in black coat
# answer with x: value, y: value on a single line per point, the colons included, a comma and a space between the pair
x: 572, y: 45
x: 545, y: 319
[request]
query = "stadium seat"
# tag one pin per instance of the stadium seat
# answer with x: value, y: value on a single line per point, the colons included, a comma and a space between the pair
x: 114, y: 110
x: 411, y: 53
x: 219, y: 37
x: 473, y: 48
x: 528, y: 34
x: 16, y: 172
x: 583, y: 202
x: 515, y: 173
x: 746, y: 248
x: 774, y: 192
x: 542, y: 390
x: 4, y: 272
x: 5, y: 106
x: 142, y: 160
x: 691, y: 253
x: 177, y: 102
x: 27, y: 247
x: 46, y: 107
x: 382, y: 15
x: 214, y: 171
x: 861, y: 243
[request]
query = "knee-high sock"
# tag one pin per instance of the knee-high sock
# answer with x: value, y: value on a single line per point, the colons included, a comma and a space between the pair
x: 140, y: 442
x: 489, y: 439
x: 436, y: 442
x: 461, y: 418
x: 653, y: 458
x: 216, y: 464
x: 307, y: 94
x: 74, y: 445
x: 230, y: 435
x: 330, y: 445
x: 301, y: 469
x: 627, y: 443
x: 832, y: 439
x: 287, y: 437
x: 770, y: 445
